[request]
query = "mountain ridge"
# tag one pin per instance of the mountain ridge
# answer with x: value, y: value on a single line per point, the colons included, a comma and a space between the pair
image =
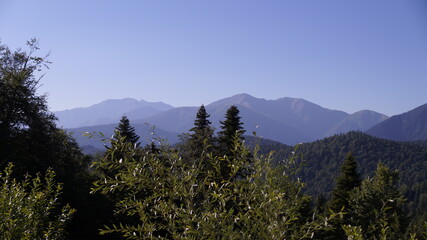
x: 408, y: 126
x: 108, y: 111
x: 286, y: 120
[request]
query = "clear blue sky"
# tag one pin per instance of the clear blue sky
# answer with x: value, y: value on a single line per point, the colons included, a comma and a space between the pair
x: 345, y: 55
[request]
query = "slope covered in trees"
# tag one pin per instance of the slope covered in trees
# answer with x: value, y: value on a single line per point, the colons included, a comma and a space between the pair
x: 323, y: 159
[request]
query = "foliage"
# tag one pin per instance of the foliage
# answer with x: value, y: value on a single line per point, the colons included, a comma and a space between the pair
x: 230, y: 127
x: 203, y: 189
x: 127, y: 131
x: 196, y: 144
x: 23, y: 114
x: 29, y: 209
x: 345, y: 182
x: 29, y: 136
x: 324, y: 158
x: 171, y: 201
x: 378, y: 206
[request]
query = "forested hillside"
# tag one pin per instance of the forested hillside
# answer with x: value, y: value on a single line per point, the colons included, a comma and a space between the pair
x: 323, y: 158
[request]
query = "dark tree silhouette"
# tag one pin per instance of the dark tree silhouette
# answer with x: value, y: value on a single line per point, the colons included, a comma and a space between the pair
x: 127, y: 131
x: 231, y: 128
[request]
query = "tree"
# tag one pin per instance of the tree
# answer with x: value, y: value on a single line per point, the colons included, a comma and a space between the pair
x: 124, y: 133
x: 202, y: 130
x: 230, y: 139
x: 28, y: 133
x: 377, y: 206
x: 231, y: 127
x: 23, y: 113
x: 29, y: 136
x: 127, y: 131
x: 347, y: 180
x: 198, y: 143
x: 29, y: 209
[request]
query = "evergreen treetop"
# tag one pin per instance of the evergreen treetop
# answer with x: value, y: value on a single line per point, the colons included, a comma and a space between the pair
x: 347, y: 180
x: 231, y: 127
x: 202, y: 121
x: 127, y: 131
x: 202, y: 130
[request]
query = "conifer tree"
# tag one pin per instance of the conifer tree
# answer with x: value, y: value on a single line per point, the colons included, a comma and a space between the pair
x: 201, y: 122
x: 202, y: 131
x: 231, y: 127
x: 346, y: 181
x: 124, y: 139
x: 230, y: 139
x: 197, y: 144
x: 127, y: 131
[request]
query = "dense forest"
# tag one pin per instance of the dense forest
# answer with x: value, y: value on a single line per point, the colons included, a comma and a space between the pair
x: 322, y: 160
x: 209, y: 186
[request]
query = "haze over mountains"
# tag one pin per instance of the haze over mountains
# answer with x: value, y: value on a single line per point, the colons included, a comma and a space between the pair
x: 409, y: 126
x: 286, y: 120
x: 109, y: 111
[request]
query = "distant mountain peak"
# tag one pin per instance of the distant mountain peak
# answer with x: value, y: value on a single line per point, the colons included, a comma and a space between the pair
x: 109, y: 111
x: 242, y: 97
x: 408, y: 126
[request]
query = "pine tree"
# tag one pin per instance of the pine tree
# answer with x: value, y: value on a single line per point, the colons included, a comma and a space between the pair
x: 202, y: 135
x: 127, y: 131
x: 231, y: 128
x: 201, y: 123
x: 230, y: 140
x: 347, y: 180
x: 196, y: 145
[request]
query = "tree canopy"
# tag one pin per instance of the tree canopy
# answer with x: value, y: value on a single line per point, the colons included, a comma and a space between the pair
x: 230, y: 128
x: 127, y: 131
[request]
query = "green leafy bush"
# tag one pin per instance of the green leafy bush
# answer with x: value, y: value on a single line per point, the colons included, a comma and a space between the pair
x: 169, y: 199
x: 28, y: 209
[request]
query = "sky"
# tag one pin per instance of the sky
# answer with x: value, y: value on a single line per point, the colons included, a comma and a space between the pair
x: 344, y: 55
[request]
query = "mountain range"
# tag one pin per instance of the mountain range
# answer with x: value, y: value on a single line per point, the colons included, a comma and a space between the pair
x: 108, y: 112
x: 409, y: 126
x: 286, y: 120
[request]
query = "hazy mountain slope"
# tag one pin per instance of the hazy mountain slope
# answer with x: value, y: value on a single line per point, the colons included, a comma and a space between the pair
x: 408, y: 126
x: 146, y: 133
x: 109, y: 111
x: 267, y: 127
x: 311, y: 120
x: 181, y: 119
x: 177, y: 120
x: 361, y: 121
x: 288, y: 120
